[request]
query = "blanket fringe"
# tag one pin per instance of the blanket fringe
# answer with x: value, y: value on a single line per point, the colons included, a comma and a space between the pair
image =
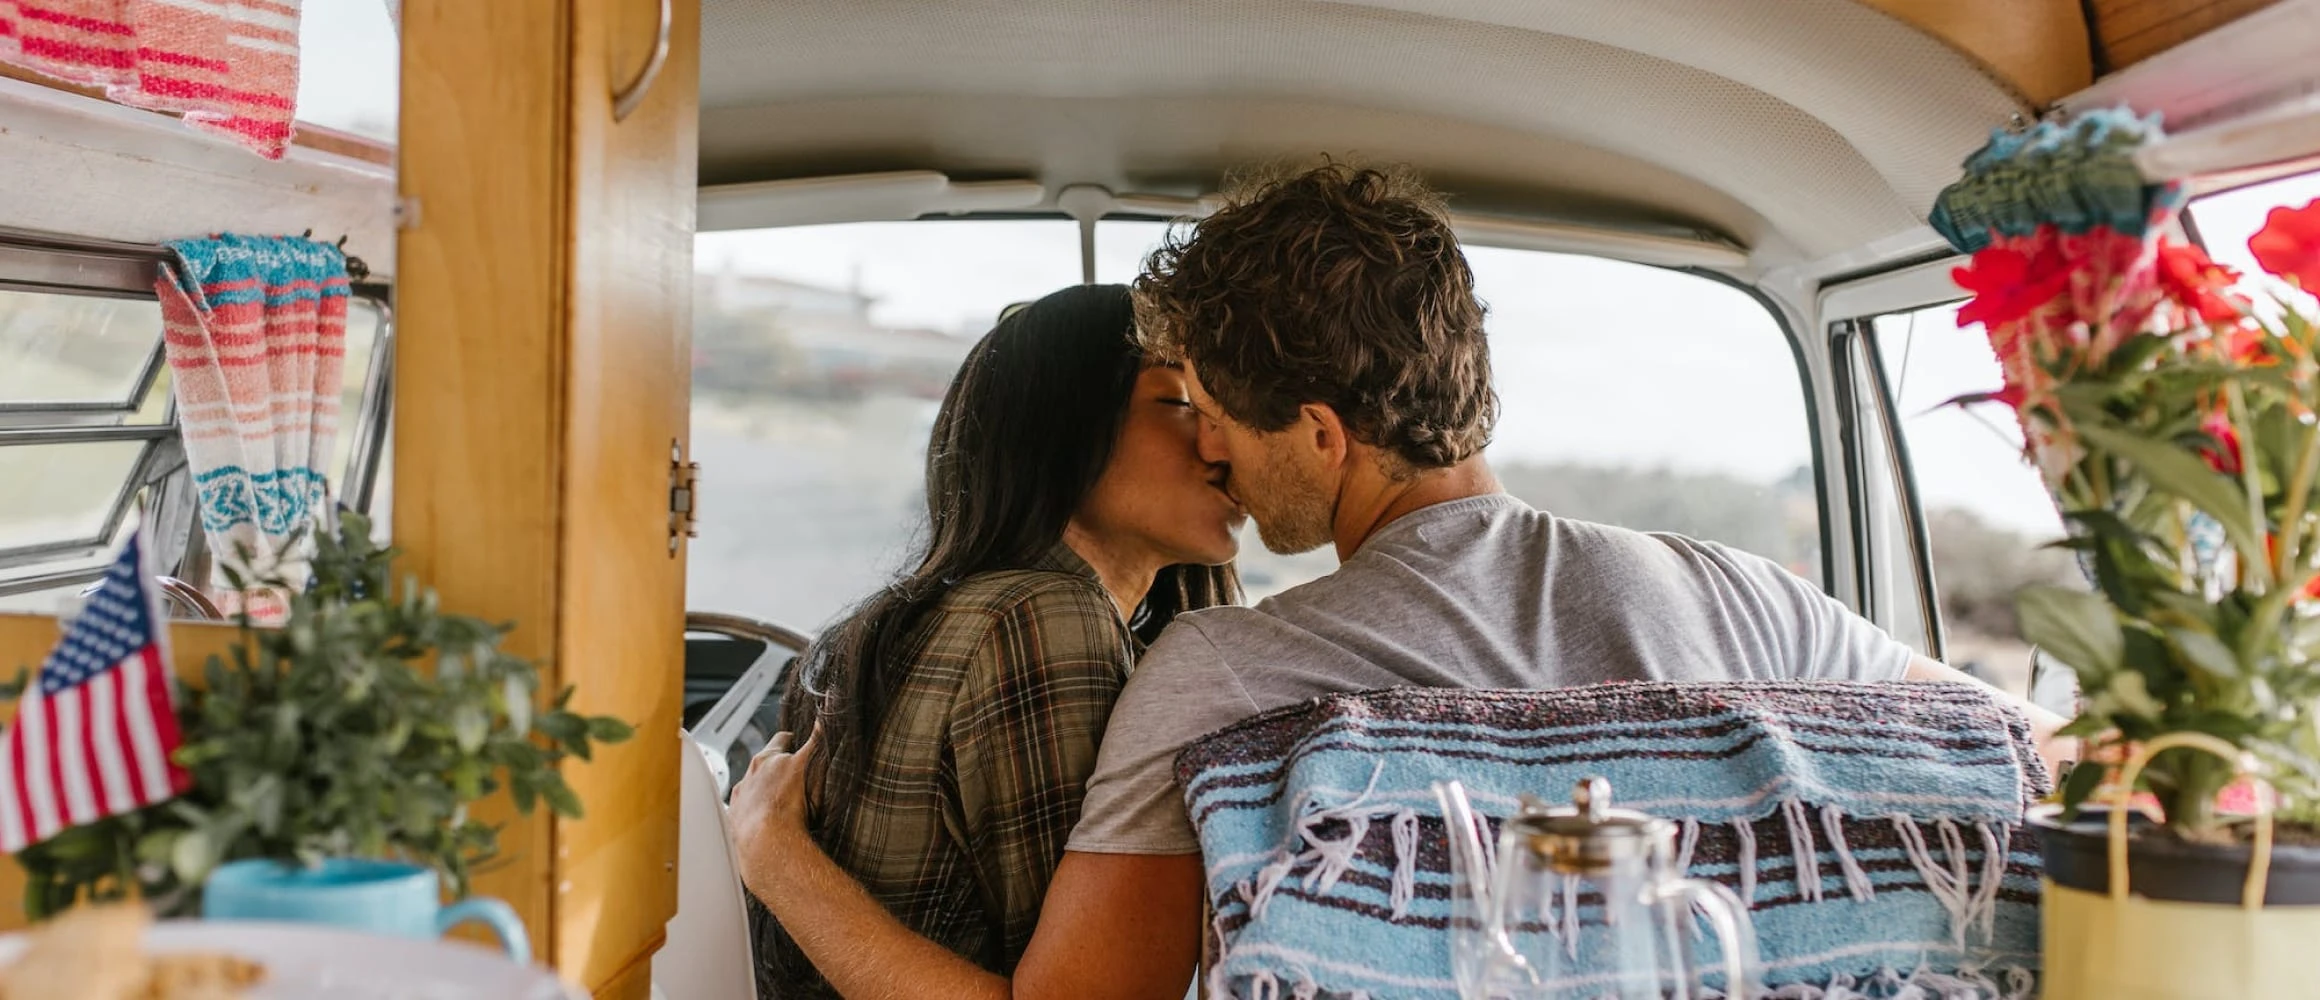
x: 1893, y: 984
x: 1808, y: 855
x: 1947, y: 872
x: 1887, y: 984
x: 1856, y: 878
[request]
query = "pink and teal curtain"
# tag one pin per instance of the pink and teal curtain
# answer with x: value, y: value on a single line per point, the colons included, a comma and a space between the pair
x: 255, y: 329
x: 228, y: 66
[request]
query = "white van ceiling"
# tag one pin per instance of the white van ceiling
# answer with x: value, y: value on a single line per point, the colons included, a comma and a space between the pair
x: 1799, y: 129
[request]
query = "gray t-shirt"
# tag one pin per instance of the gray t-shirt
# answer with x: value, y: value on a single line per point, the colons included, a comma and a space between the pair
x: 1483, y: 592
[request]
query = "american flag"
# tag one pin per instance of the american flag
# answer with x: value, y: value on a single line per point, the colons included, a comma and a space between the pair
x: 92, y: 737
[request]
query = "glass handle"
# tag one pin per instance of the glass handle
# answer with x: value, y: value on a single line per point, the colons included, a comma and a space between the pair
x: 1734, y: 934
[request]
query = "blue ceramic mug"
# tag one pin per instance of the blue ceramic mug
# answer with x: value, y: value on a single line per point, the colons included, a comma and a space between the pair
x: 383, y: 897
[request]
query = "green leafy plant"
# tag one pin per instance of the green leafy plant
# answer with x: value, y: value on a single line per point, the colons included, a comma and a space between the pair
x: 2176, y: 426
x: 364, y: 726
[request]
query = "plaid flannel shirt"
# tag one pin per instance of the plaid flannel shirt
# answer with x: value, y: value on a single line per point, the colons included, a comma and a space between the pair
x: 979, y: 768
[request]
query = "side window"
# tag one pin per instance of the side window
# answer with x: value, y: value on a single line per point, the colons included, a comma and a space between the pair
x: 2224, y: 221
x: 1650, y: 399
x: 820, y: 354
x: 1987, y: 515
x: 89, y: 440
x: 84, y: 424
x: 350, y: 74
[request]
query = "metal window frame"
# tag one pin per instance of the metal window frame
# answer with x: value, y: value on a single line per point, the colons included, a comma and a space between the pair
x: 1849, y: 312
x: 55, y: 264
x: 121, y: 274
x: 160, y: 441
x: 378, y: 407
x: 50, y: 264
x: 1904, y: 473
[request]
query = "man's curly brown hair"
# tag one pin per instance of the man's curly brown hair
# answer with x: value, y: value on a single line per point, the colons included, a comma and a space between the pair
x: 1335, y: 285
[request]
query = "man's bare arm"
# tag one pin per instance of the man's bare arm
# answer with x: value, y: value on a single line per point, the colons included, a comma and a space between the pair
x: 2053, y: 749
x: 1112, y: 925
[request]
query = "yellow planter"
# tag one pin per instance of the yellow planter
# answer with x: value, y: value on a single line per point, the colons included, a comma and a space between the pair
x: 2134, y: 948
x: 2104, y: 942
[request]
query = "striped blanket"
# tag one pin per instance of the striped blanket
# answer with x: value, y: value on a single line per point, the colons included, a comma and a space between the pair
x: 1873, y: 829
x: 229, y: 66
x: 254, y: 329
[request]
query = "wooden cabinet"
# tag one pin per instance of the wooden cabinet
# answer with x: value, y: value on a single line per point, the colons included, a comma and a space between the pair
x: 542, y: 380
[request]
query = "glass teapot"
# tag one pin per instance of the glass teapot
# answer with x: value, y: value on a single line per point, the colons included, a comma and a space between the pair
x: 1582, y: 901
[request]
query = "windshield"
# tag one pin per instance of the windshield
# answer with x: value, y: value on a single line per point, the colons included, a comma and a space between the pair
x: 1630, y: 395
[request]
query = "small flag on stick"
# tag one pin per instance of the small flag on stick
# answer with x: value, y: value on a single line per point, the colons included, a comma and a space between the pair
x: 94, y: 732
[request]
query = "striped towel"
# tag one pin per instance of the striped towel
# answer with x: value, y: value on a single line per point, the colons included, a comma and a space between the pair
x: 255, y: 330
x: 228, y: 66
x: 1901, y: 804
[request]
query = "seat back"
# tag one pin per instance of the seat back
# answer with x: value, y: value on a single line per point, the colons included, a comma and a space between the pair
x: 1899, y: 804
x: 708, y: 955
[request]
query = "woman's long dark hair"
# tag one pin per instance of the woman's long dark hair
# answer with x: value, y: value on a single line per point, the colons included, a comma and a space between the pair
x: 1024, y: 431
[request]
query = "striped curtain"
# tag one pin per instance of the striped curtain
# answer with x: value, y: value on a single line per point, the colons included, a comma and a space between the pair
x: 228, y: 66
x: 255, y: 329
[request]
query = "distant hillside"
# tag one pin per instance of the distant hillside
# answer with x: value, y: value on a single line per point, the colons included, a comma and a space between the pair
x: 1778, y: 520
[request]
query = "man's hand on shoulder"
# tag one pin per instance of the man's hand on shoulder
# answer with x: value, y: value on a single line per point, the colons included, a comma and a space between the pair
x: 766, y: 814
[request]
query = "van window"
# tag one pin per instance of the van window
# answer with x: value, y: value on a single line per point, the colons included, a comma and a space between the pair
x: 1631, y: 395
x: 349, y: 68
x: 1987, y: 514
x: 2224, y: 221
x: 1628, y: 395
x: 76, y: 351
x: 87, y: 430
x: 84, y: 415
x: 820, y: 354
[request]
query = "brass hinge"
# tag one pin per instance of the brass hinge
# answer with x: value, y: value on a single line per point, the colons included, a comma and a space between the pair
x: 684, y: 497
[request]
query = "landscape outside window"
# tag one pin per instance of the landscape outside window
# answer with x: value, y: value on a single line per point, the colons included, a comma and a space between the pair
x: 1631, y: 395
x: 1986, y: 512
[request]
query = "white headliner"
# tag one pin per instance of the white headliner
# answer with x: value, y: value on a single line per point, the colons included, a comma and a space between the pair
x: 1800, y: 129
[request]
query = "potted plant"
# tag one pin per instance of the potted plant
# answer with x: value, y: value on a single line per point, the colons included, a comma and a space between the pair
x: 2174, y: 422
x: 364, y: 727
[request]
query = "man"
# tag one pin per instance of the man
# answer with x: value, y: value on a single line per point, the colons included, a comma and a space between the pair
x: 1332, y: 341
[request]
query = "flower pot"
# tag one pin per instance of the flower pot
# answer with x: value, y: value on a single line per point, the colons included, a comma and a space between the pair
x: 383, y: 897
x: 2184, y: 921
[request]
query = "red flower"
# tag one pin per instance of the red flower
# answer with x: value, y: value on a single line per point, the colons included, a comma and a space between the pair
x: 2245, y: 345
x: 2224, y: 455
x: 2289, y: 245
x: 2008, y: 283
x: 2196, y: 283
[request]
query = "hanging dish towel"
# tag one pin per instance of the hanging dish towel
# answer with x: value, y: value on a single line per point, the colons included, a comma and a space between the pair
x: 228, y: 66
x: 256, y: 335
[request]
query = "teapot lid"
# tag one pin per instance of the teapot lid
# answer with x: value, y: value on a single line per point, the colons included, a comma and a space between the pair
x: 1588, y: 834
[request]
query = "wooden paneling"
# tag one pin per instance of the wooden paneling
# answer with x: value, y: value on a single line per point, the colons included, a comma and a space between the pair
x: 479, y: 350
x: 2131, y: 31
x: 628, y: 378
x: 544, y: 281
x: 2038, y: 47
x: 542, y: 377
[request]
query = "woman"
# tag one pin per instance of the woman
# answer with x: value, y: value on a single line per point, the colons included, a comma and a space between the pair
x: 1070, y: 517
